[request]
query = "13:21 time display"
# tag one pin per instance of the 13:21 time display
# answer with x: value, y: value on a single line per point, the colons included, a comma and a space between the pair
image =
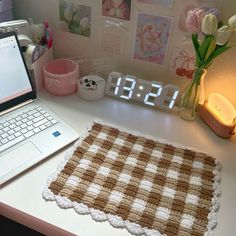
x: 151, y: 93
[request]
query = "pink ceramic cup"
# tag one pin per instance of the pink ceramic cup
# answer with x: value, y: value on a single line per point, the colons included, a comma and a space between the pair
x: 61, y: 76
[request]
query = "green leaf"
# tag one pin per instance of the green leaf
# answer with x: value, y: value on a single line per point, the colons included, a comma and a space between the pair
x: 215, y: 54
x: 211, y: 49
x: 195, y: 40
x: 220, y: 51
x: 206, y: 47
x: 196, y: 46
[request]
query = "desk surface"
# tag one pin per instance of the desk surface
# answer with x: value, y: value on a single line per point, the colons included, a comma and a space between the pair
x: 21, y: 199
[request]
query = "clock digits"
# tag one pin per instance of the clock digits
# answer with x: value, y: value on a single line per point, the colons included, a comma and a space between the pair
x: 141, y: 89
x: 152, y: 97
x: 113, y: 83
x: 151, y: 93
x: 168, y: 97
x: 127, y: 87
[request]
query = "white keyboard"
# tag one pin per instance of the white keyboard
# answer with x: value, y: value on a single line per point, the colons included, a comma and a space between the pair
x: 24, y: 125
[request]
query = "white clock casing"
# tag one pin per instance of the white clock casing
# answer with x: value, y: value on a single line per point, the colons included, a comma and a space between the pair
x: 150, y: 93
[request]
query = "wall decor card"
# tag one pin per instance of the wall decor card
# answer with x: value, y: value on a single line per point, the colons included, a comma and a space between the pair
x: 117, y: 8
x: 183, y: 61
x: 75, y: 18
x: 112, y: 41
x: 152, y: 36
x: 165, y: 3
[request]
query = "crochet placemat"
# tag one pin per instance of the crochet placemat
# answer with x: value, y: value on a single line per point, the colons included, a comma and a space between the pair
x: 144, y: 184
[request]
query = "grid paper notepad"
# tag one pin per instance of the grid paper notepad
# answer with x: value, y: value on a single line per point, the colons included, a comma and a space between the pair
x: 147, y: 185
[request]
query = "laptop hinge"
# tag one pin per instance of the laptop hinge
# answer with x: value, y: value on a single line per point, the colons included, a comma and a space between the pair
x: 16, y: 107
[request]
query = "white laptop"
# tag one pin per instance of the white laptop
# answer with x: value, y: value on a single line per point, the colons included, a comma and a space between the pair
x: 29, y: 131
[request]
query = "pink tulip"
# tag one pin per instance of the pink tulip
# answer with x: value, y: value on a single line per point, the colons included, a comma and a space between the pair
x: 194, y: 20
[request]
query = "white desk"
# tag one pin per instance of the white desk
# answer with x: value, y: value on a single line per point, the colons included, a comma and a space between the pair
x: 21, y: 199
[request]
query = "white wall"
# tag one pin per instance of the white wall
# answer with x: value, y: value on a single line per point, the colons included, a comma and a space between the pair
x: 221, y: 76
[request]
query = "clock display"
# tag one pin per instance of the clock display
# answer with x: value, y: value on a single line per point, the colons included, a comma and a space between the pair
x: 151, y: 93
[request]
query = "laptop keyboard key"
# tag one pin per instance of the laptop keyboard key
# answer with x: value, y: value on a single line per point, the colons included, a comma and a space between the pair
x: 36, y: 130
x: 4, y: 135
x: 12, y: 126
x: 42, y: 127
x: 11, y: 137
x: 10, y: 132
x: 23, y: 131
x: 5, y: 124
x: 6, y: 129
x: 17, y: 134
x: 40, y: 123
x: 28, y: 134
x: 38, y: 119
x: 5, y: 140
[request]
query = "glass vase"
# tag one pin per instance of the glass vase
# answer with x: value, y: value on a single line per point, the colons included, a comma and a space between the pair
x: 192, y: 95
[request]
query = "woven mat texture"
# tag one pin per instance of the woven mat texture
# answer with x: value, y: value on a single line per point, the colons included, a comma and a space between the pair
x: 158, y: 186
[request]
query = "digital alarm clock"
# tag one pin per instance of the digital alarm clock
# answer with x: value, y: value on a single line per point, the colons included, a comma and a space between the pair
x: 150, y: 93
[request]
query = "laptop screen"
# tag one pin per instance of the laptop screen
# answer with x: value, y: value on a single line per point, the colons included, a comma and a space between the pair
x: 15, y: 85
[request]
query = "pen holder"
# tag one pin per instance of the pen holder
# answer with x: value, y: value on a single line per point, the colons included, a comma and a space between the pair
x: 61, y: 76
x: 91, y: 87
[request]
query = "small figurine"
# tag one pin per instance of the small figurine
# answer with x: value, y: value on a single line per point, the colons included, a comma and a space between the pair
x: 89, y: 84
x: 37, y: 33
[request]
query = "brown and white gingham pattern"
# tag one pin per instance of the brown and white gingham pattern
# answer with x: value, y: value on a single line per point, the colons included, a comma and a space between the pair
x: 153, y: 184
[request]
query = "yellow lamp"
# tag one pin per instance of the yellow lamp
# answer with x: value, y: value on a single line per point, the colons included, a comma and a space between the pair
x: 219, y: 113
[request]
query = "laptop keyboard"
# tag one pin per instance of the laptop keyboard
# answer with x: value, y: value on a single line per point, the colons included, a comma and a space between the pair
x: 24, y: 125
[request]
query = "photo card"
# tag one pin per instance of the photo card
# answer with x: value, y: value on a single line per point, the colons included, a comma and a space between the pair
x: 183, y: 61
x: 75, y: 18
x: 152, y: 38
x: 120, y: 9
x: 164, y: 3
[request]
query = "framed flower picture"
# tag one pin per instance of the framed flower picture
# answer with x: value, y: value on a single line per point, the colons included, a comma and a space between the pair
x: 75, y: 18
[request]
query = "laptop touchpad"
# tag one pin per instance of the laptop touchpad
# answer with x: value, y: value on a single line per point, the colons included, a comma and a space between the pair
x: 18, y: 157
